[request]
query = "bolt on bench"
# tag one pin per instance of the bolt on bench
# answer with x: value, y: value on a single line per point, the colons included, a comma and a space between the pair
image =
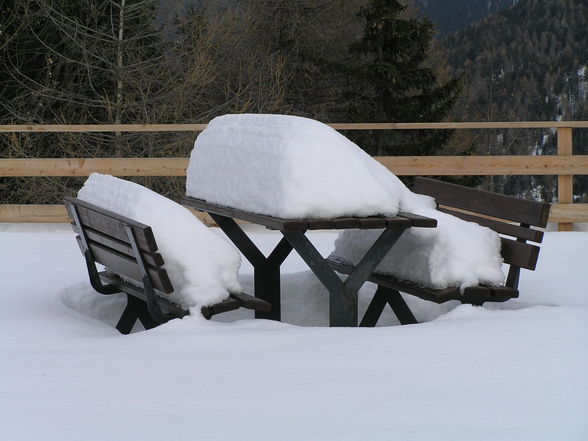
x: 477, y: 206
x: 128, y: 250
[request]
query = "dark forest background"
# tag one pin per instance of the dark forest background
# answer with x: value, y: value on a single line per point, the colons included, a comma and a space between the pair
x: 149, y: 61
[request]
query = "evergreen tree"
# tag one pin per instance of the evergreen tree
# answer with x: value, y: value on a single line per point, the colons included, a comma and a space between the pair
x: 395, y: 82
x: 313, y: 54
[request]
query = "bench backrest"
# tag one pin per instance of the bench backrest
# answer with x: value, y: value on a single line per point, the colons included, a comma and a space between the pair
x: 506, y: 215
x: 107, y: 236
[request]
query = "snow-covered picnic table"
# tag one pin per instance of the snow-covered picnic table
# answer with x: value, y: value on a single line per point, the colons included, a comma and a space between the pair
x: 343, y: 295
x: 295, y: 174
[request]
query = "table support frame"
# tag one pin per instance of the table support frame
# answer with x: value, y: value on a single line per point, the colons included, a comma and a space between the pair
x: 266, y: 270
x: 343, y: 299
x: 343, y: 295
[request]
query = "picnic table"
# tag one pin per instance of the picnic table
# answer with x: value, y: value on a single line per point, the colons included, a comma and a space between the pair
x: 342, y: 294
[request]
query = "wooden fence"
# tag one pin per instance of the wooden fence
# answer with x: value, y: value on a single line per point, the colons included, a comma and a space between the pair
x: 565, y: 165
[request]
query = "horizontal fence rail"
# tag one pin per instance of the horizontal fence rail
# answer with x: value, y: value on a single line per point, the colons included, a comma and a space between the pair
x: 400, y: 165
x: 564, y: 165
x: 337, y: 126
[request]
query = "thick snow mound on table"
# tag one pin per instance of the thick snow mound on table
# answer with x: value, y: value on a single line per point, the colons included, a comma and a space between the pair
x: 456, y: 253
x: 288, y: 167
x: 202, y: 265
x: 292, y: 167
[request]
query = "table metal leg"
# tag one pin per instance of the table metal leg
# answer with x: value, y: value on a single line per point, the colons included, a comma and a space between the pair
x: 343, y: 295
x: 266, y: 270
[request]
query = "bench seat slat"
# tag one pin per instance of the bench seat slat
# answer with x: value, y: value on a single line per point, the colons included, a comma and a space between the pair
x: 477, y: 294
x: 137, y: 291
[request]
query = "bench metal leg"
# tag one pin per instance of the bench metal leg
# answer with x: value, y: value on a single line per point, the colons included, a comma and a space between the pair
x: 393, y: 298
x: 266, y: 270
x: 343, y: 295
x: 129, y: 316
x: 145, y: 317
x: 136, y: 309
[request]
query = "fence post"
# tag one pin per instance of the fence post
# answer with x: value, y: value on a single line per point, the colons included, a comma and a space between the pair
x: 565, y: 183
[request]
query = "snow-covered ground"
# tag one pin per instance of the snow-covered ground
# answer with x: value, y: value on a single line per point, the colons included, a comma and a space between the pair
x: 512, y: 371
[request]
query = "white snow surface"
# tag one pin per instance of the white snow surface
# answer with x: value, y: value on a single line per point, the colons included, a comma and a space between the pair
x: 203, y: 266
x: 513, y: 371
x: 292, y: 167
x: 288, y: 167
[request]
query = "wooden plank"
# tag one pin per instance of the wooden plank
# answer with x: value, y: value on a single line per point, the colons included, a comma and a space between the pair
x: 498, y: 226
x: 460, y: 125
x: 295, y: 224
x: 400, y: 165
x: 484, y: 165
x: 484, y: 202
x: 166, y: 305
x: 204, y: 217
x: 565, y: 182
x: 433, y: 295
x: 37, y: 213
x: 476, y: 294
x: 48, y: 128
x: 519, y: 254
x: 57, y: 214
x: 86, y: 166
x: 33, y: 213
x: 344, y: 223
x: 338, y: 126
x: 153, y: 259
x: 268, y: 221
x: 314, y: 224
x: 122, y: 264
x: 569, y: 213
x: 419, y: 221
x: 113, y: 224
x: 376, y: 222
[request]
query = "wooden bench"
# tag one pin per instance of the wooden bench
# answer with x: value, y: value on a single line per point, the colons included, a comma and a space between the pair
x: 128, y: 250
x: 508, y: 216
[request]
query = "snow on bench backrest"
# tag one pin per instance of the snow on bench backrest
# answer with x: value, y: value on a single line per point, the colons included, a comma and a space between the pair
x: 203, y: 266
